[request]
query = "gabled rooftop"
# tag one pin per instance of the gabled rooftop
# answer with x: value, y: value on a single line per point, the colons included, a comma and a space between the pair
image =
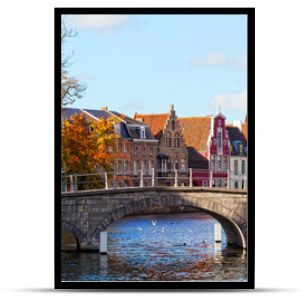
x: 196, y: 131
x: 156, y: 122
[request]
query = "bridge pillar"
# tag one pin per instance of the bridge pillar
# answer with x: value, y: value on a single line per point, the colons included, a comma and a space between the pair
x: 103, y: 242
x: 218, y: 233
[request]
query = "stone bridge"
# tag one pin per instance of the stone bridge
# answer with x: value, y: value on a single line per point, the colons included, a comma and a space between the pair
x: 87, y: 213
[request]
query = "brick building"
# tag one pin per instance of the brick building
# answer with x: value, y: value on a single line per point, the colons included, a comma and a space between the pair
x: 172, y: 152
x: 209, y: 149
x: 136, y: 148
x: 238, y: 157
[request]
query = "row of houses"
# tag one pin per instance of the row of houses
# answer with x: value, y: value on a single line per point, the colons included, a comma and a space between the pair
x: 164, y: 146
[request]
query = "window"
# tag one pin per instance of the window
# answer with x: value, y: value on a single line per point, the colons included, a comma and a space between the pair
x: 151, y: 165
x: 219, y: 162
x: 144, y: 167
x: 126, y: 147
x: 119, y: 168
x: 182, y: 167
x: 151, y: 151
x: 219, y: 141
x: 175, y: 165
x: 243, y: 184
x: 177, y: 140
x: 236, y: 165
x: 213, y: 162
x: 241, y: 148
x: 243, y: 167
x: 168, y: 165
x: 136, y: 150
x: 143, y: 132
x: 219, y: 138
x: 225, y: 163
x: 126, y: 167
x: 143, y: 150
x: 119, y: 147
x: 236, y: 184
x: 168, y: 140
x: 135, y: 167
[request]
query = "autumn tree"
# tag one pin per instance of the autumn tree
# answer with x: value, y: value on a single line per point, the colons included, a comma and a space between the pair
x: 71, y: 88
x: 87, y: 146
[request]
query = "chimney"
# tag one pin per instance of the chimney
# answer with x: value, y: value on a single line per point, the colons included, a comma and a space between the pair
x: 104, y: 108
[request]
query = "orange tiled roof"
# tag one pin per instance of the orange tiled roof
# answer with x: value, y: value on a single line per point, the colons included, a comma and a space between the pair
x: 156, y: 122
x: 195, y: 131
x: 244, y: 130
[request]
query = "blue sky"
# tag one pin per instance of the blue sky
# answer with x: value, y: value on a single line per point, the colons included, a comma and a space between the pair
x: 144, y: 63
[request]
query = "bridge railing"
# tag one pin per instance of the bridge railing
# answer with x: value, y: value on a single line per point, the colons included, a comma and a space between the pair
x: 141, y: 178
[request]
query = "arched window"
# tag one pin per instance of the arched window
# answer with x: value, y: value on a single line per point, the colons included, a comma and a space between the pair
x: 177, y: 140
x: 168, y: 140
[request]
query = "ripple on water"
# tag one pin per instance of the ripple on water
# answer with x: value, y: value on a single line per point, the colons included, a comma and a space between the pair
x: 176, y: 248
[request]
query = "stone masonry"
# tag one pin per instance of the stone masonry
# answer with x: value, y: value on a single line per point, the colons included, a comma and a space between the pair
x: 86, y: 213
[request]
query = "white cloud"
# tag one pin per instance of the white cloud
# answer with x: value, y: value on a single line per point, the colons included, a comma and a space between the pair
x: 217, y: 59
x: 235, y: 101
x: 100, y: 22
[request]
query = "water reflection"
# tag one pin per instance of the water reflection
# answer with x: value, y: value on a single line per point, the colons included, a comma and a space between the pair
x: 160, y: 248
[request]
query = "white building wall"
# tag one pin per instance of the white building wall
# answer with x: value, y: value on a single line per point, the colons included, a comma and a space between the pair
x: 238, y: 180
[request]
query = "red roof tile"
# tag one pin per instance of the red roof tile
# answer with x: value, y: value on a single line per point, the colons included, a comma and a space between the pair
x: 156, y: 122
x: 195, y: 131
x: 245, y: 130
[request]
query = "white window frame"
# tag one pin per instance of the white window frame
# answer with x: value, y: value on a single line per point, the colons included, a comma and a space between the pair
x: 143, y: 132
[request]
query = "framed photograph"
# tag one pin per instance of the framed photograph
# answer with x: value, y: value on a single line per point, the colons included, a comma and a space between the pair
x: 154, y: 148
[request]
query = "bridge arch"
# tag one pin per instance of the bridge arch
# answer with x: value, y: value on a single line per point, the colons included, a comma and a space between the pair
x: 227, y: 217
x: 68, y: 227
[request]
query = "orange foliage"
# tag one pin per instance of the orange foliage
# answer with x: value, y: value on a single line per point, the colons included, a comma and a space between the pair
x: 87, y: 145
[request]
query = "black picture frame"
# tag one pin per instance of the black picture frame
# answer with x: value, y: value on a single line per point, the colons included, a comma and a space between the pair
x: 149, y: 285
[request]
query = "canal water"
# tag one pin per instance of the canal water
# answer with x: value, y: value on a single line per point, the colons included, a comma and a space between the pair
x: 177, y: 247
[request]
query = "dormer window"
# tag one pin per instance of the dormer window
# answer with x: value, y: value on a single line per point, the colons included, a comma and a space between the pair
x: 143, y: 132
x: 241, y: 148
